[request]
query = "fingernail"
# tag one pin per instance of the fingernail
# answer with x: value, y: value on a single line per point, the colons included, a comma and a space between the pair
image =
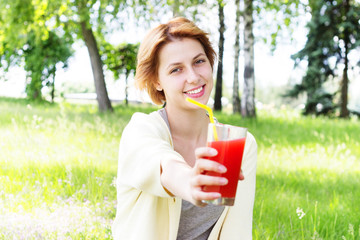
x: 216, y: 195
x: 213, y: 152
x: 223, y: 181
x: 222, y: 169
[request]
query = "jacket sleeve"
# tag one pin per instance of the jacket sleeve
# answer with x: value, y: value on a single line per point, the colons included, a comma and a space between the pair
x: 144, y: 142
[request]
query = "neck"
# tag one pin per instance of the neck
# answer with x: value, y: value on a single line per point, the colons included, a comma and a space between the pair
x: 189, y: 124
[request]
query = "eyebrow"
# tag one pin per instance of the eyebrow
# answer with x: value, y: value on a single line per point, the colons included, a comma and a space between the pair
x: 178, y: 63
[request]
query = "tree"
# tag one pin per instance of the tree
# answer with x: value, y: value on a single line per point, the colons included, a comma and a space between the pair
x: 235, y: 96
x: 83, y: 9
x: 24, y: 36
x: 121, y: 60
x: 82, y: 19
x: 16, y: 17
x: 349, y: 33
x: 248, y: 96
x: 334, y: 31
x: 218, y: 86
x: 41, y: 59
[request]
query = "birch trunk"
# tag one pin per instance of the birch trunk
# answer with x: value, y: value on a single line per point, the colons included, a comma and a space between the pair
x: 248, y: 96
x: 235, y: 96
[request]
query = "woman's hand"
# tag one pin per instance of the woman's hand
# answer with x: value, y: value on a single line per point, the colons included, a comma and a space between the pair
x: 199, y: 179
x: 181, y: 180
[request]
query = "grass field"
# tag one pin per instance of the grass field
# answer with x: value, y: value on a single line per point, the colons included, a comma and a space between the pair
x: 58, y: 167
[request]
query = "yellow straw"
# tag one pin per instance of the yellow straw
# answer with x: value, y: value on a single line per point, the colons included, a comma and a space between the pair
x: 210, y: 112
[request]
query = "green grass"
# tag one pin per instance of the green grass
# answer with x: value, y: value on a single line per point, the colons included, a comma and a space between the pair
x: 58, y: 167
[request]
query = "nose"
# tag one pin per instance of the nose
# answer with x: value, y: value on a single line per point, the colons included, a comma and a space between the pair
x: 192, y: 76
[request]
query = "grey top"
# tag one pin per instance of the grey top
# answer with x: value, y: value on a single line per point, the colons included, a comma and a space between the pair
x: 196, y: 223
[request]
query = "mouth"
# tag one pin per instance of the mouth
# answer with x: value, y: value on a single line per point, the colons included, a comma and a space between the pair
x: 196, y: 92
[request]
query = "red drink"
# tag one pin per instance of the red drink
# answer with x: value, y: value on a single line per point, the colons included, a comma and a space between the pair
x: 230, y: 153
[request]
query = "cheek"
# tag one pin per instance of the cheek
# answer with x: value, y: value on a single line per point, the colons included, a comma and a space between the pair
x: 171, y: 85
x: 206, y: 70
x: 210, y: 80
x: 207, y: 73
x: 210, y: 85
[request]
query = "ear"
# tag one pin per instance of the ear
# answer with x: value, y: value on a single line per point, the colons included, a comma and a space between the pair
x: 158, y: 87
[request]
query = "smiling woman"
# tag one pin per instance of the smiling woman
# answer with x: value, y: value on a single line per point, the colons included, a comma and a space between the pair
x: 163, y: 158
x: 184, y: 69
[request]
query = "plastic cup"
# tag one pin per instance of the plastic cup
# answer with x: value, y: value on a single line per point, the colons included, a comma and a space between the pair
x: 230, y: 146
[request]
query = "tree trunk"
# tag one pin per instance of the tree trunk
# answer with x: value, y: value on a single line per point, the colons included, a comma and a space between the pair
x: 235, y: 96
x: 126, y: 87
x: 97, y: 68
x: 53, y: 88
x: 218, y: 87
x: 344, y: 112
x: 248, y: 96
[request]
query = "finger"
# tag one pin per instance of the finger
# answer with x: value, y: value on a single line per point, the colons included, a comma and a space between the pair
x: 241, y: 175
x: 205, y: 152
x: 205, y: 165
x: 198, y: 195
x: 207, y: 180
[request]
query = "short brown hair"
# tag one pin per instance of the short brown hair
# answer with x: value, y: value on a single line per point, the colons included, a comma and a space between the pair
x: 146, y: 76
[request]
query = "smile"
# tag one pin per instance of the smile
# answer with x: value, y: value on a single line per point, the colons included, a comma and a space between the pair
x: 197, y: 92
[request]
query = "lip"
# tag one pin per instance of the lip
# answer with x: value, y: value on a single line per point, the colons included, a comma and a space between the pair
x: 196, y: 95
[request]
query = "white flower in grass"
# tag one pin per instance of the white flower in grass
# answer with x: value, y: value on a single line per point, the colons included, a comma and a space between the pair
x: 113, y: 183
x: 351, y: 229
x: 99, y: 180
x: 300, y: 213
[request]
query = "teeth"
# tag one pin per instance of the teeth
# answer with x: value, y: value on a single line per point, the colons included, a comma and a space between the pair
x: 195, y: 91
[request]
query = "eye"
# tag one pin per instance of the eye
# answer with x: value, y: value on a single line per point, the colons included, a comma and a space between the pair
x: 199, y: 61
x: 174, y: 70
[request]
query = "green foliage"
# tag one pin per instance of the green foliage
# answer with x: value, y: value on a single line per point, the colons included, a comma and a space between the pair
x: 329, y: 28
x: 96, y: 13
x: 284, y: 20
x: 120, y: 59
x: 41, y: 58
x: 58, y: 168
x: 26, y: 36
x: 147, y: 11
x: 16, y: 18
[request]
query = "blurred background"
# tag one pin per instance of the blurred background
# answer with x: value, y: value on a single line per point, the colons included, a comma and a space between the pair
x: 302, y: 54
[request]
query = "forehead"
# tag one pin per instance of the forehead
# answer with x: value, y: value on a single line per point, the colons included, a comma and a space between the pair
x: 179, y: 50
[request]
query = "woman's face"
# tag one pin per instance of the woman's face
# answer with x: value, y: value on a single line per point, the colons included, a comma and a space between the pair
x: 184, y: 71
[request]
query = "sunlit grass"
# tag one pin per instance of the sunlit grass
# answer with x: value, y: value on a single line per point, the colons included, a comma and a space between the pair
x: 58, y: 165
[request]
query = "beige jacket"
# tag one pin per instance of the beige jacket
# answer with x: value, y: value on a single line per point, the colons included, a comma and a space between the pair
x: 145, y: 211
